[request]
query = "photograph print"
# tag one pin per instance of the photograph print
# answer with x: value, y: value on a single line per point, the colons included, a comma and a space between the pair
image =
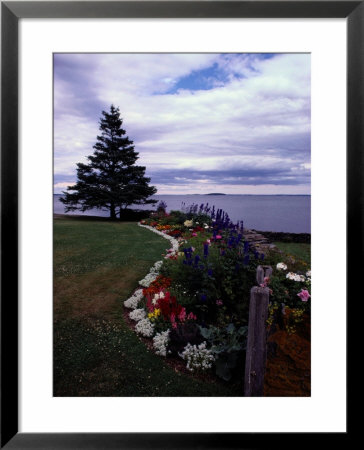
x: 181, y: 225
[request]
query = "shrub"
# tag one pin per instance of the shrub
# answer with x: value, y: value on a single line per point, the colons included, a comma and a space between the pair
x: 227, y: 345
x: 183, y: 334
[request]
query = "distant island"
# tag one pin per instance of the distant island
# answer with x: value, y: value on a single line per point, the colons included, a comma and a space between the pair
x: 216, y: 193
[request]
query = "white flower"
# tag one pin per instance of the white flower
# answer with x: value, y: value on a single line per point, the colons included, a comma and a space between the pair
x: 281, y: 266
x: 295, y: 276
x: 133, y: 301
x: 148, y: 279
x: 160, y: 343
x: 145, y: 328
x: 197, y: 357
x: 137, y: 314
x: 308, y: 274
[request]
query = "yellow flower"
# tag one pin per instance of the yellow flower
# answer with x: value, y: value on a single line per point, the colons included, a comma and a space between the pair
x: 154, y: 314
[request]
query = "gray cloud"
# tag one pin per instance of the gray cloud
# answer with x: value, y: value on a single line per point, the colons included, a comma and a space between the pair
x: 250, y: 127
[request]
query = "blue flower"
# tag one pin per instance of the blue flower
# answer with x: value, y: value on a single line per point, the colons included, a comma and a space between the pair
x: 205, y: 249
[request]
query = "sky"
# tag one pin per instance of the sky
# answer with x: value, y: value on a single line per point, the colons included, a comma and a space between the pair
x: 201, y: 123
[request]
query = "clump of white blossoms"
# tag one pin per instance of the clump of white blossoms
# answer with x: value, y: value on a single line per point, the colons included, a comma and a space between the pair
x: 295, y: 276
x: 198, y: 357
x: 156, y: 266
x: 148, y: 279
x: 132, y: 302
x: 145, y: 328
x: 281, y: 266
x: 137, y: 314
x: 160, y: 343
x: 308, y: 274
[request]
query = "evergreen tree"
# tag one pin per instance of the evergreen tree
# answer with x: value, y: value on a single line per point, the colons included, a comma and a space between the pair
x: 111, y: 180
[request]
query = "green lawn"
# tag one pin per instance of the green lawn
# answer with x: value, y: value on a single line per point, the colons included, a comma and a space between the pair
x: 97, y: 265
x: 301, y: 252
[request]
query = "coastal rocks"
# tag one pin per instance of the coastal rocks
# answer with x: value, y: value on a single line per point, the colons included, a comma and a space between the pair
x: 258, y: 241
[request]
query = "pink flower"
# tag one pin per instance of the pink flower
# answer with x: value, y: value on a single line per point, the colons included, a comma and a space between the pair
x: 182, y: 315
x: 304, y: 295
x: 219, y: 302
x: 218, y: 236
x: 194, y: 234
x: 191, y: 316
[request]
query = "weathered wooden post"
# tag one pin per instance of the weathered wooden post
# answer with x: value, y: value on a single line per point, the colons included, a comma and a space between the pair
x: 256, y: 351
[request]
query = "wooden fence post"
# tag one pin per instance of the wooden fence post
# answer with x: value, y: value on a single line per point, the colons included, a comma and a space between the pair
x: 256, y: 351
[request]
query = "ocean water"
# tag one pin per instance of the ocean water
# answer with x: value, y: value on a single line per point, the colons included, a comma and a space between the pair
x: 286, y: 213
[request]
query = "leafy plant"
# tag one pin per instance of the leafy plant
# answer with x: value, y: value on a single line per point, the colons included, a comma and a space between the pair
x: 183, y: 334
x: 227, y: 344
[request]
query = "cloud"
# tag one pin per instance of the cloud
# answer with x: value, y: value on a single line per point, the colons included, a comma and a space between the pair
x: 240, y: 118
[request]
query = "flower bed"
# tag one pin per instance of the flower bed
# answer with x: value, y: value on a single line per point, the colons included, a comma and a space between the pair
x: 194, y: 303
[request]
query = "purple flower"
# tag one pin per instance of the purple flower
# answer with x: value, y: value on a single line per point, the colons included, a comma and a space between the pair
x: 205, y: 249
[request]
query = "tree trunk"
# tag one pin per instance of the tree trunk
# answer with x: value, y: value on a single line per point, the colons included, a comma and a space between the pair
x: 112, y: 212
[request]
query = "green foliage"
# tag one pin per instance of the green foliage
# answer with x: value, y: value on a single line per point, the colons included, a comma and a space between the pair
x: 284, y: 291
x: 220, y: 277
x: 183, y: 334
x: 227, y: 345
x: 178, y: 217
x: 110, y: 180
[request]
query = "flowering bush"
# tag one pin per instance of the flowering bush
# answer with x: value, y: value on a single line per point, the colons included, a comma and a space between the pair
x: 198, y: 357
x: 145, y: 328
x: 290, y: 296
x: 195, y: 301
x: 160, y: 343
x: 137, y: 314
x: 133, y: 301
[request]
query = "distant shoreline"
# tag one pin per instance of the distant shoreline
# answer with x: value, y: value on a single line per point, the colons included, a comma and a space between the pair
x: 212, y: 194
x: 271, y: 235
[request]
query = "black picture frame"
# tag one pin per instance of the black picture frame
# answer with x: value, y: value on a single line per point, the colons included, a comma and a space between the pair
x: 11, y: 12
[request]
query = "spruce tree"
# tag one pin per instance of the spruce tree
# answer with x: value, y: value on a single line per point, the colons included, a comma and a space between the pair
x: 110, y: 180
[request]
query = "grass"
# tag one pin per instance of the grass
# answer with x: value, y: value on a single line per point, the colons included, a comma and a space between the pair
x: 301, y: 252
x: 97, y: 265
